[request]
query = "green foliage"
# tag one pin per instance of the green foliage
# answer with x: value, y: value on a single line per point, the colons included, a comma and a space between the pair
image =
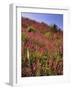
x: 31, y: 29
x: 57, y: 56
x: 24, y: 54
x: 54, y: 28
x: 35, y: 55
x: 24, y: 37
x: 48, y: 35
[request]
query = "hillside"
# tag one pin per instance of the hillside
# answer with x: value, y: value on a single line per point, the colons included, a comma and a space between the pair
x: 42, y: 49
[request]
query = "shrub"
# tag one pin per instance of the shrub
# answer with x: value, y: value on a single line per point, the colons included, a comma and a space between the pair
x: 24, y: 37
x: 31, y: 29
x: 48, y: 35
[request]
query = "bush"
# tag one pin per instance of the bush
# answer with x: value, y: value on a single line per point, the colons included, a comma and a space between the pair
x: 24, y: 37
x: 48, y: 35
x: 31, y: 29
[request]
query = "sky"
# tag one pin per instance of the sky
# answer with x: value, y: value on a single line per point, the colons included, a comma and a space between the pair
x: 46, y: 18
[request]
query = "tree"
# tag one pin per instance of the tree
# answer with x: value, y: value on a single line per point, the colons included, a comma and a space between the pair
x: 54, y: 28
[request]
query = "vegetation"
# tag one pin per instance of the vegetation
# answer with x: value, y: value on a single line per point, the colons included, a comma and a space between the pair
x: 42, y: 52
x: 31, y: 29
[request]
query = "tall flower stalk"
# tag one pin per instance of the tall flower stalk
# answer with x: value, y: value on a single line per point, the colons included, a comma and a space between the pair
x: 28, y: 56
